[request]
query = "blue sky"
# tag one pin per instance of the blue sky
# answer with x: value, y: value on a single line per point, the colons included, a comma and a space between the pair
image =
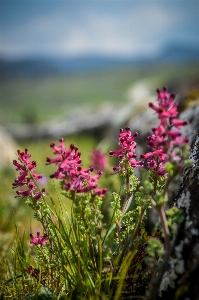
x: 114, y: 28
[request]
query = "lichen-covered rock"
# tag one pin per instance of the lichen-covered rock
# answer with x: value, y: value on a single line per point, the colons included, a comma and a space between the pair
x: 185, y: 284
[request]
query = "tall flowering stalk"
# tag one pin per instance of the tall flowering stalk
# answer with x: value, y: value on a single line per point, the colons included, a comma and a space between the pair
x: 126, y: 155
x: 27, y: 178
x: 166, y: 139
x: 164, y: 161
x: 35, y: 197
x: 166, y: 158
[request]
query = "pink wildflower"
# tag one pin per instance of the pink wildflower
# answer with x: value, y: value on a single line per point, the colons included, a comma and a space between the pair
x: 26, y: 169
x: 127, y: 149
x: 43, y: 180
x: 23, y: 193
x: 164, y: 139
x: 38, y: 240
x: 39, y: 195
x: 99, y: 160
x: 178, y: 123
x: 70, y: 170
x: 100, y: 192
x: 151, y: 164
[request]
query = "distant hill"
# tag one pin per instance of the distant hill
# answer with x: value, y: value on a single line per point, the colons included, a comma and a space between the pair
x: 53, y: 66
x: 179, y: 52
x: 43, y: 66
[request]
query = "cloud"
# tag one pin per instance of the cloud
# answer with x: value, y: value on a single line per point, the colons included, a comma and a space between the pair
x: 110, y: 28
x: 134, y: 31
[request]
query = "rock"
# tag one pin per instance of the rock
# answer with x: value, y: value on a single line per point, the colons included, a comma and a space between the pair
x: 8, y: 148
x: 185, y: 284
x: 78, y: 122
x: 191, y: 114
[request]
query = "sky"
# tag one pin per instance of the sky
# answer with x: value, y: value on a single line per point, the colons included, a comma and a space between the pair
x: 69, y: 28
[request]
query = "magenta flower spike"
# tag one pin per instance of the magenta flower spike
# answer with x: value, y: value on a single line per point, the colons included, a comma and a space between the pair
x: 70, y: 170
x: 166, y: 137
x: 38, y: 240
x: 127, y: 149
x: 26, y: 169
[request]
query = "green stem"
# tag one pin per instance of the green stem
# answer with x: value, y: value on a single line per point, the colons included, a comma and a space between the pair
x: 90, y: 242
x: 161, y: 211
x: 111, y: 227
x: 137, y: 228
x: 127, y: 185
x: 128, y: 194
x: 167, y: 184
x: 155, y: 185
x: 12, y: 278
x: 100, y: 259
x: 135, y: 232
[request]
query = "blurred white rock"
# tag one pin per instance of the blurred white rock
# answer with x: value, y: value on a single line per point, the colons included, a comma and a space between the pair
x: 8, y: 148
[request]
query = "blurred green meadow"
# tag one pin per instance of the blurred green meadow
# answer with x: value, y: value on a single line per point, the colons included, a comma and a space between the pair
x: 34, y: 100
